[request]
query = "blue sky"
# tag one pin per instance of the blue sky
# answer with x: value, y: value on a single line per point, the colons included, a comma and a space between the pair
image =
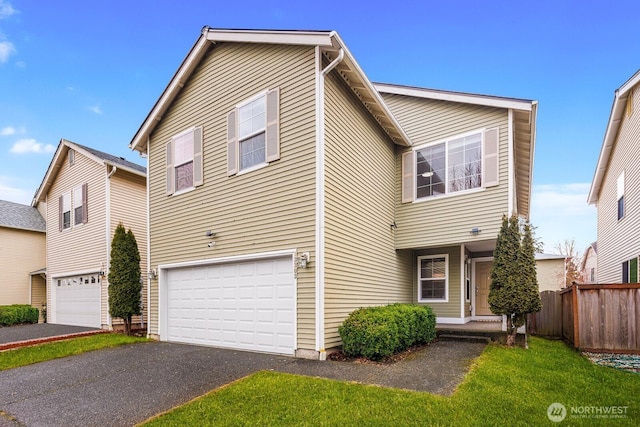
x: 90, y: 71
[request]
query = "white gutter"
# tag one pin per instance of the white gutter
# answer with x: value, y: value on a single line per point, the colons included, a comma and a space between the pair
x: 320, y: 196
x: 511, y: 183
x: 148, y: 249
x: 108, y: 231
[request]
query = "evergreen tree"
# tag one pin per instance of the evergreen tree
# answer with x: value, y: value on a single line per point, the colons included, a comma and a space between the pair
x: 514, y: 285
x: 125, y: 286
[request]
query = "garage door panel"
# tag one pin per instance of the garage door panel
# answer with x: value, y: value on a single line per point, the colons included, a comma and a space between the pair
x: 77, y: 302
x: 248, y: 305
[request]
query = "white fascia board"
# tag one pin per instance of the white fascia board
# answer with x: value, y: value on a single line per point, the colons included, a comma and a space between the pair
x: 465, y: 98
x: 126, y: 168
x: 372, y: 89
x: 304, y: 38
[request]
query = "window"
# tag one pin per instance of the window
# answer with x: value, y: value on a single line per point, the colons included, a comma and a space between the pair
x: 630, y: 103
x: 253, y: 138
x: 457, y: 164
x: 72, y: 157
x: 592, y: 275
x: 73, y: 204
x: 630, y: 271
x: 432, y: 278
x: 620, y: 195
x: 184, y: 161
x: 65, y: 207
x: 79, y: 197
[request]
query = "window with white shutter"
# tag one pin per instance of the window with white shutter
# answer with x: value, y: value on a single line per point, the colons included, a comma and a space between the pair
x: 253, y: 134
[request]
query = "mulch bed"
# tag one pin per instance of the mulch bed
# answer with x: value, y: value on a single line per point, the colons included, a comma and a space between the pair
x: 340, y: 356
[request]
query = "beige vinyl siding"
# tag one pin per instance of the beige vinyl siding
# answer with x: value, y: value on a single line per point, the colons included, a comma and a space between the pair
x: 550, y: 274
x: 129, y: 205
x: 82, y: 247
x: 361, y: 266
x: 451, y: 308
x: 619, y: 241
x: 38, y: 294
x: 448, y: 219
x: 269, y: 209
x: 21, y: 252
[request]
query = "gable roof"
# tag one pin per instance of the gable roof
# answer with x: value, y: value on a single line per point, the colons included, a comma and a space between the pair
x: 524, y: 115
x: 23, y: 217
x: 100, y: 157
x: 328, y: 41
x: 610, y: 135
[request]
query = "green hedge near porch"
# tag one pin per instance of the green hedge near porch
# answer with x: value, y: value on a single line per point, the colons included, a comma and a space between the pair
x: 17, y: 314
x: 378, y: 332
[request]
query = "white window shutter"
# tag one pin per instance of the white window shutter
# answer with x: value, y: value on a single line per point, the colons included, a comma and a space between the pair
x: 491, y: 171
x: 198, y: 178
x: 232, y: 144
x: 85, y: 209
x: 170, y: 171
x: 272, y: 136
x: 408, y: 176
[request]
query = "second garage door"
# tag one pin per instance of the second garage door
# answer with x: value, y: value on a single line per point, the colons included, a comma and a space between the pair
x: 77, y: 301
x: 248, y: 305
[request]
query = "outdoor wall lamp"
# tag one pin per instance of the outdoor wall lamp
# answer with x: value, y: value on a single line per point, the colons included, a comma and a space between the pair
x: 304, y: 259
x: 210, y: 233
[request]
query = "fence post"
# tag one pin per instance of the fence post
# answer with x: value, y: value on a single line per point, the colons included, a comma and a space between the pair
x: 576, y: 325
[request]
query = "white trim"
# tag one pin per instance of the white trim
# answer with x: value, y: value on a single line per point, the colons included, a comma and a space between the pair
x: 473, y: 286
x: 462, y: 281
x: 76, y: 273
x: 107, y: 195
x: 319, y: 87
x: 148, y: 249
x: 510, y: 174
x: 451, y: 320
x: 446, y: 278
x: 163, y: 270
x: 304, y: 38
x: 466, y: 98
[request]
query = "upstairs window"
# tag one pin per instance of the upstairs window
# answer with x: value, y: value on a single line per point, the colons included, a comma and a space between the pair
x: 184, y: 161
x: 457, y: 164
x: 620, y: 195
x: 72, y: 208
x: 253, y: 134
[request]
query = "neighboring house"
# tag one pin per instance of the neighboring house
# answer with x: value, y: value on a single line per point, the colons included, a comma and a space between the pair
x: 551, y: 271
x: 615, y: 189
x: 22, y: 255
x: 286, y: 190
x: 87, y: 193
x: 589, y: 264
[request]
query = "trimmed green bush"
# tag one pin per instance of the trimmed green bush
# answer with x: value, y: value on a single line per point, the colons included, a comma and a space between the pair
x: 18, y: 313
x: 378, y: 332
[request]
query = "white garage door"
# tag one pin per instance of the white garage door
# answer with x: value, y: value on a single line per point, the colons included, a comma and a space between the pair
x: 78, y: 301
x: 248, y: 305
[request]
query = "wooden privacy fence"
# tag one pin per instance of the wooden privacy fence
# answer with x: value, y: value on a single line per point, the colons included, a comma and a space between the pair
x: 591, y: 317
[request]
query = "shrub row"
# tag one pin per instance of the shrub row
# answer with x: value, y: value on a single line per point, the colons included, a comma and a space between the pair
x: 377, y: 332
x: 17, y: 313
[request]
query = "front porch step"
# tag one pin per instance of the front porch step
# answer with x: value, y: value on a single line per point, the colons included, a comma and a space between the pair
x: 464, y: 338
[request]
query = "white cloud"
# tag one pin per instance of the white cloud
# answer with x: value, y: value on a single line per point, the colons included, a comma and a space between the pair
x: 14, y: 194
x: 21, y: 64
x: 6, y: 10
x: 96, y: 109
x: 6, y: 50
x: 30, y: 145
x: 560, y: 212
x: 6, y: 131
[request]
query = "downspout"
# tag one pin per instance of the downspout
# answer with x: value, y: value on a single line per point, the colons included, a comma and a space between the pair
x: 108, y: 230
x: 148, y: 227
x: 320, y: 197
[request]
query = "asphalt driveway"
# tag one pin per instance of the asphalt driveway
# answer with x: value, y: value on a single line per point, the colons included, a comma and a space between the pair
x: 125, y: 385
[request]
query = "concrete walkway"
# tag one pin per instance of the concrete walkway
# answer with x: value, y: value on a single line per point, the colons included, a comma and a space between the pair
x: 22, y: 335
x: 125, y: 385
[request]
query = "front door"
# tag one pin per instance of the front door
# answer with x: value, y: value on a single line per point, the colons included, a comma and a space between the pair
x: 483, y: 279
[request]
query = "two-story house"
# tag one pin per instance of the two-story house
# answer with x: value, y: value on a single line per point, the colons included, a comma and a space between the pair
x: 87, y: 193
x: 615, y: 189
x: 287, y: 190
x: 22, y: 255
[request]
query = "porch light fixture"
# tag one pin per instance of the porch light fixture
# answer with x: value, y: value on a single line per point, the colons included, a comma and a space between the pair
x: 475, y: 231
x: 210, y: 233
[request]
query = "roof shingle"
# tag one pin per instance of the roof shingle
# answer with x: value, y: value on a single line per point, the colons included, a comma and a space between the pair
x: 25, y: 217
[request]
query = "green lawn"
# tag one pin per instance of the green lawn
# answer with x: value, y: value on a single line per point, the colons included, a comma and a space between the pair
x: 54, y: 350
x: 504, y: 387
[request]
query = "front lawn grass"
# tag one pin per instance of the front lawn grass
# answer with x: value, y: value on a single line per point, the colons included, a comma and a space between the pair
x: 28, y: 355
x: 504, y: 387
